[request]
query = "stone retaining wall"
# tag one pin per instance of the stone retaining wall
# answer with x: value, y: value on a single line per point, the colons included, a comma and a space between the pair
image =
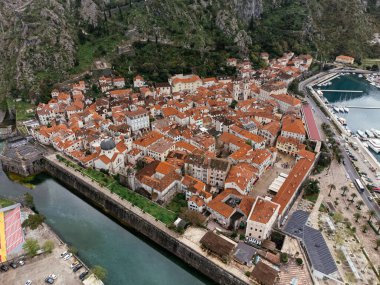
x: 131, y: 218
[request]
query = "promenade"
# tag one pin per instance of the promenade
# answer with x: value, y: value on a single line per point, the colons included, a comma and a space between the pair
x: 366, y: 159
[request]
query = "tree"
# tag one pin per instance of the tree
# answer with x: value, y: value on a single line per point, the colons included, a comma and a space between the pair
x: 344, y: 189
x: 99, y: 272
x: 312, y: 187
x: 192, y: 217
x: 353, y: 195
x: 364, y: 228
x: 370, y: 213
x: 378, y: 225
x: 357, y: 216
x: 284, y: 257
x: 299, y: 261
x: 33, y: 221
x: 332, y: 187
x: 377, y: 244
x: 31, y: 247
x: 360, y: 204
x: 48, y: 246
x: 28, y: 200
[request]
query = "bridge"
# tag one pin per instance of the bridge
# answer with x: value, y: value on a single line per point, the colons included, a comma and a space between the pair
x: 345, y: 91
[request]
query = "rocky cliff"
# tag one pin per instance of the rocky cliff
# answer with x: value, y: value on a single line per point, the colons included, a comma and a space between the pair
x: 39, y: 38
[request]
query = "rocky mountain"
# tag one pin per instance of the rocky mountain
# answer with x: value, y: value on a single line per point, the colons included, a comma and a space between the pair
x: 41, y: 39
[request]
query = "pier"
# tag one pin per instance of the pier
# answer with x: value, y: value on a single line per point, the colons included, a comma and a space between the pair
x: 362, y: 107
x: 345, y: 91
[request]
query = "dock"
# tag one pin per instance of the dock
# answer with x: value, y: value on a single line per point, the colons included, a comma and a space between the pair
x: 345, y: 91
x: 362, y: 107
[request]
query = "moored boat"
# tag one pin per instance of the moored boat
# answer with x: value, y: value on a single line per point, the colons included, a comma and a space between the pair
x: 362, y: 134
x: 369, y: 134
x: 374, y: 144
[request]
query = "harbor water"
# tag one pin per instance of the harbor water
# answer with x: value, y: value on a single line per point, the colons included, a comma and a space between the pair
x: 128, y: 257
x: 364, y: 107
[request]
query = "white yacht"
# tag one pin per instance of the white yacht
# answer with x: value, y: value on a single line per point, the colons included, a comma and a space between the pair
x: 346, y: 109
x: 369, y: 134
x: 342, y: 121
x: 376, y: 133
x: 336, y: 109
x: 362, y: 134
x: 374, y: 144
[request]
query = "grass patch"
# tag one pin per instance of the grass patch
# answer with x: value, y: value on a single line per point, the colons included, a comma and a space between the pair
x: 95, y: 48
x: 177, y: 203
x: 5, y: 202
x: 164, y: 215
x: 312, y: 198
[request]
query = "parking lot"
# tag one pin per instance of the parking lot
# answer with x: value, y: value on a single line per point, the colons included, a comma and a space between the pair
x: 39, y: 267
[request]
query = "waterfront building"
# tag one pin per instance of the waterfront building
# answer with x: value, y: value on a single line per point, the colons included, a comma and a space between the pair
x: 344, y: 59
x: 261, y: 218
x: 11, y: 233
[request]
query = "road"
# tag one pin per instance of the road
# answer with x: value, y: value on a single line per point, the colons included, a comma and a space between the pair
x: 320, y: 116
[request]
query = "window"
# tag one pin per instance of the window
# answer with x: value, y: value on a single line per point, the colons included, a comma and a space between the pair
x: 259, y: 236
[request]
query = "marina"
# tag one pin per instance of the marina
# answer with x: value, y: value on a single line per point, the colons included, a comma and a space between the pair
x: 355, y: 103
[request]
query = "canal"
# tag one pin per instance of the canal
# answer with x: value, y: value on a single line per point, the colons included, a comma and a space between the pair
x: 128, y: 258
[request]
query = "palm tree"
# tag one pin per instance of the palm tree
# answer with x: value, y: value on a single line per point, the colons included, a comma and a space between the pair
x: 332, y: 187
x: 360, y: 204
x: 364, y: 228
x: 377, y: 243
x: 357, y: 216
x: 353, y: 195
x: 370, y: 213
x: 344, y: 189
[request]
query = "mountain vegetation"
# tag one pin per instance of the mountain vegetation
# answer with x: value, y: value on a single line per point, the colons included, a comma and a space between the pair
x: 45, y: 41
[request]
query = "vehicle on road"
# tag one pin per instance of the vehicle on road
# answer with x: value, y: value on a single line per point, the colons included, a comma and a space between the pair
x: 370, y: 198
x: 83, y: 275
x: 67, y: 256
x: 359, y: 185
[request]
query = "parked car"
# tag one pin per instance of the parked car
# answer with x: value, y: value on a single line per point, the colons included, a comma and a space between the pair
x: 4, y: 268
x: 53, y: 276
x: 76, y: 268
x: 28, y: 282
x: 21, y: 262
x: 63, y: 254
x: 13, y: 265
x: 67, y: 256
x: 83, y: 275
x: 49, y: 280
